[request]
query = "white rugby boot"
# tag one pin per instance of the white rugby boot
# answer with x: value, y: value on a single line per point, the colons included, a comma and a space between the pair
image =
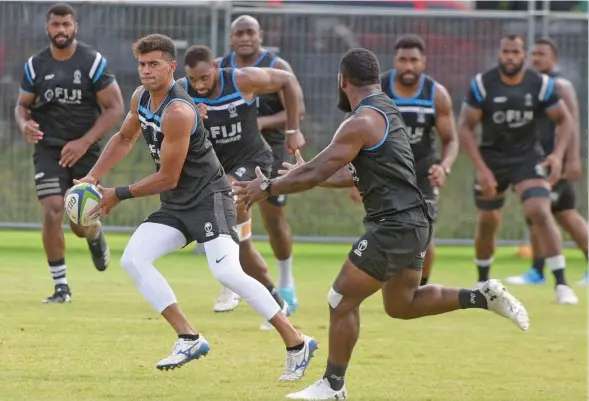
x: 320, y: 390
x: 226, y: 301
x: 500, y: 301
x: 183, y: 352
x: 298, y: 361
x: 565, y: 295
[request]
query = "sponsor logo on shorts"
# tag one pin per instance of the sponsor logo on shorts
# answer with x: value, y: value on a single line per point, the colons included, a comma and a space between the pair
x: 361, y: 247
x: 208, y: 229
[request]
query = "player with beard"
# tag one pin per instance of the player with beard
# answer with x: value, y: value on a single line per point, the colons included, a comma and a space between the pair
x: 371, y: 150
x: 246, y: 40
x: 426, y: 108
x: 194, y: 205
x: 229, y: 95
x: 68, y: 101
x: 507, y: 100
x: 545, y: 60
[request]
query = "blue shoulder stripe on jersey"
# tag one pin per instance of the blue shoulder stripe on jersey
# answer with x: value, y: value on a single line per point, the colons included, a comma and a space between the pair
x: 25, y: 91
x: 237, y: 88
x: 186, y: 84
x: 386, y: 133
x: 28, y: 74
x: 179, y: 99
x: 549, y: 90
x: 413, y: 102
x: 476, y: 91
x: 273, y: 62
x: 100, y: 70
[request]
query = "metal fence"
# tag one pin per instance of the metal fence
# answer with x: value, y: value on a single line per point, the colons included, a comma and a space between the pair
x: 312, y: 39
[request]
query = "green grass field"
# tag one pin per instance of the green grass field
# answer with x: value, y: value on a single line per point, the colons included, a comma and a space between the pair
x: 105, y: 344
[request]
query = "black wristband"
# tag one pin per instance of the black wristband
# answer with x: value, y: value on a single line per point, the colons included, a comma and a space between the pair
x: 123, y: 193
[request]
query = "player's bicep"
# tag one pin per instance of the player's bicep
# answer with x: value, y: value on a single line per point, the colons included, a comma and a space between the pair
x: 111, y: 97
x: 259, y: 81
x: 445, y: 125
x: 178, y: 124
x: 469, y: 116
x: 569, y: 96
x: 131, y: 128
x: 558, y: 112
x: 25, y: 99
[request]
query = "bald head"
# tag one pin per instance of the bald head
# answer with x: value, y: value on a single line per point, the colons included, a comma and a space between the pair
x: 245, y: 21
x: 246, y: 37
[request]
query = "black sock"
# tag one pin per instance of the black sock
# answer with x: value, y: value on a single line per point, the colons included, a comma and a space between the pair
x: 538, y: 265
x: 275, y: 294
x: 296, y: 347
x: 424, y: 281
x: 472, y: 299
x: 335, y: 375
x: 191, y: 337
x: 483, y: 273
x: 559, y: 277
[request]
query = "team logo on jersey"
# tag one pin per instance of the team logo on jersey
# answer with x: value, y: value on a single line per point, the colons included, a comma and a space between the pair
x: 208, y: 229
x: 362, y: 245
x: 528, y: 100
x: 77, y: 77
x: 232, y: 111
x: 240, y: 172
x: 513, y: 118
x: 67, y: 96
x: 226, y: 133
x: 353, y: 172
x: 420, y: 117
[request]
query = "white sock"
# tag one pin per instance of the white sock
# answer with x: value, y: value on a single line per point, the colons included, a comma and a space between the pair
x: 555, y: 262
x: 58, y: 272
x: 285, y: 277
x: 229, y: 273
x: 149, y: 242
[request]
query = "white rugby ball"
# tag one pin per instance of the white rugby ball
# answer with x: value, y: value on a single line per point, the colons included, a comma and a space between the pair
x: 80, y: 200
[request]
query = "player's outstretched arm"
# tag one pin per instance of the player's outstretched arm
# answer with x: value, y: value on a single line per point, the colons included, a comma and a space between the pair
x: 121, y: 143
x: 345, y: 146
x: 178, y: 124
x: 278, y: 120
x: 446, y: 127
x: 341, y: 179
x: 253, y: 81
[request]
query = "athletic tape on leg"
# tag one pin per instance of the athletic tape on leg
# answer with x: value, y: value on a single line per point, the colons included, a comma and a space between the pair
x: 334, y: 298
x: 244, y: 230
x: 535, y: 192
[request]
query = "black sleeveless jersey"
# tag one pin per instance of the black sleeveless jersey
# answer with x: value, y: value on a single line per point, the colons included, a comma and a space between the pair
x: 202, y: 173
x: 384, y: 174
x: 419, y: 114
x: 510, y: 112
x: 232, y: 123
x: 269, y: 103
x: 546, y: 127
x: 66, y: 106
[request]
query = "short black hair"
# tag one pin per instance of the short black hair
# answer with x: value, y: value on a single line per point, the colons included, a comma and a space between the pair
x: 196, y: 54
x: 514, y: 36
x: 550, y: 43
x: 360, y: 67
x: 410, y: 42
x: 62, y: 9
x: 155, y: 42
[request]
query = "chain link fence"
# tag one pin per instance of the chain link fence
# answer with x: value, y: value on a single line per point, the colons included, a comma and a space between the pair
x: 312, y: 39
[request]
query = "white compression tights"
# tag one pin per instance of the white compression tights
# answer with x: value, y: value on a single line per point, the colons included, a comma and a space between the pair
x: 152, y: 241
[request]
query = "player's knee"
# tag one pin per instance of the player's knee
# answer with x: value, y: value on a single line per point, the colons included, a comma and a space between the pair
x: 53, y: 211
x: 537, y: 206
x: 131, y: 262
x: 276, y: 225
x: 488, y: 221
x: 79, y: 231
x: 398, y: 311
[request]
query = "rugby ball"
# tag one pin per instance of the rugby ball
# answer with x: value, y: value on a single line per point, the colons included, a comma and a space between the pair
x: 80, y: 200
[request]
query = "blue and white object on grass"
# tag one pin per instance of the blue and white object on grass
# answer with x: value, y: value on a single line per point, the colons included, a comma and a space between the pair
x: 80, y: 200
